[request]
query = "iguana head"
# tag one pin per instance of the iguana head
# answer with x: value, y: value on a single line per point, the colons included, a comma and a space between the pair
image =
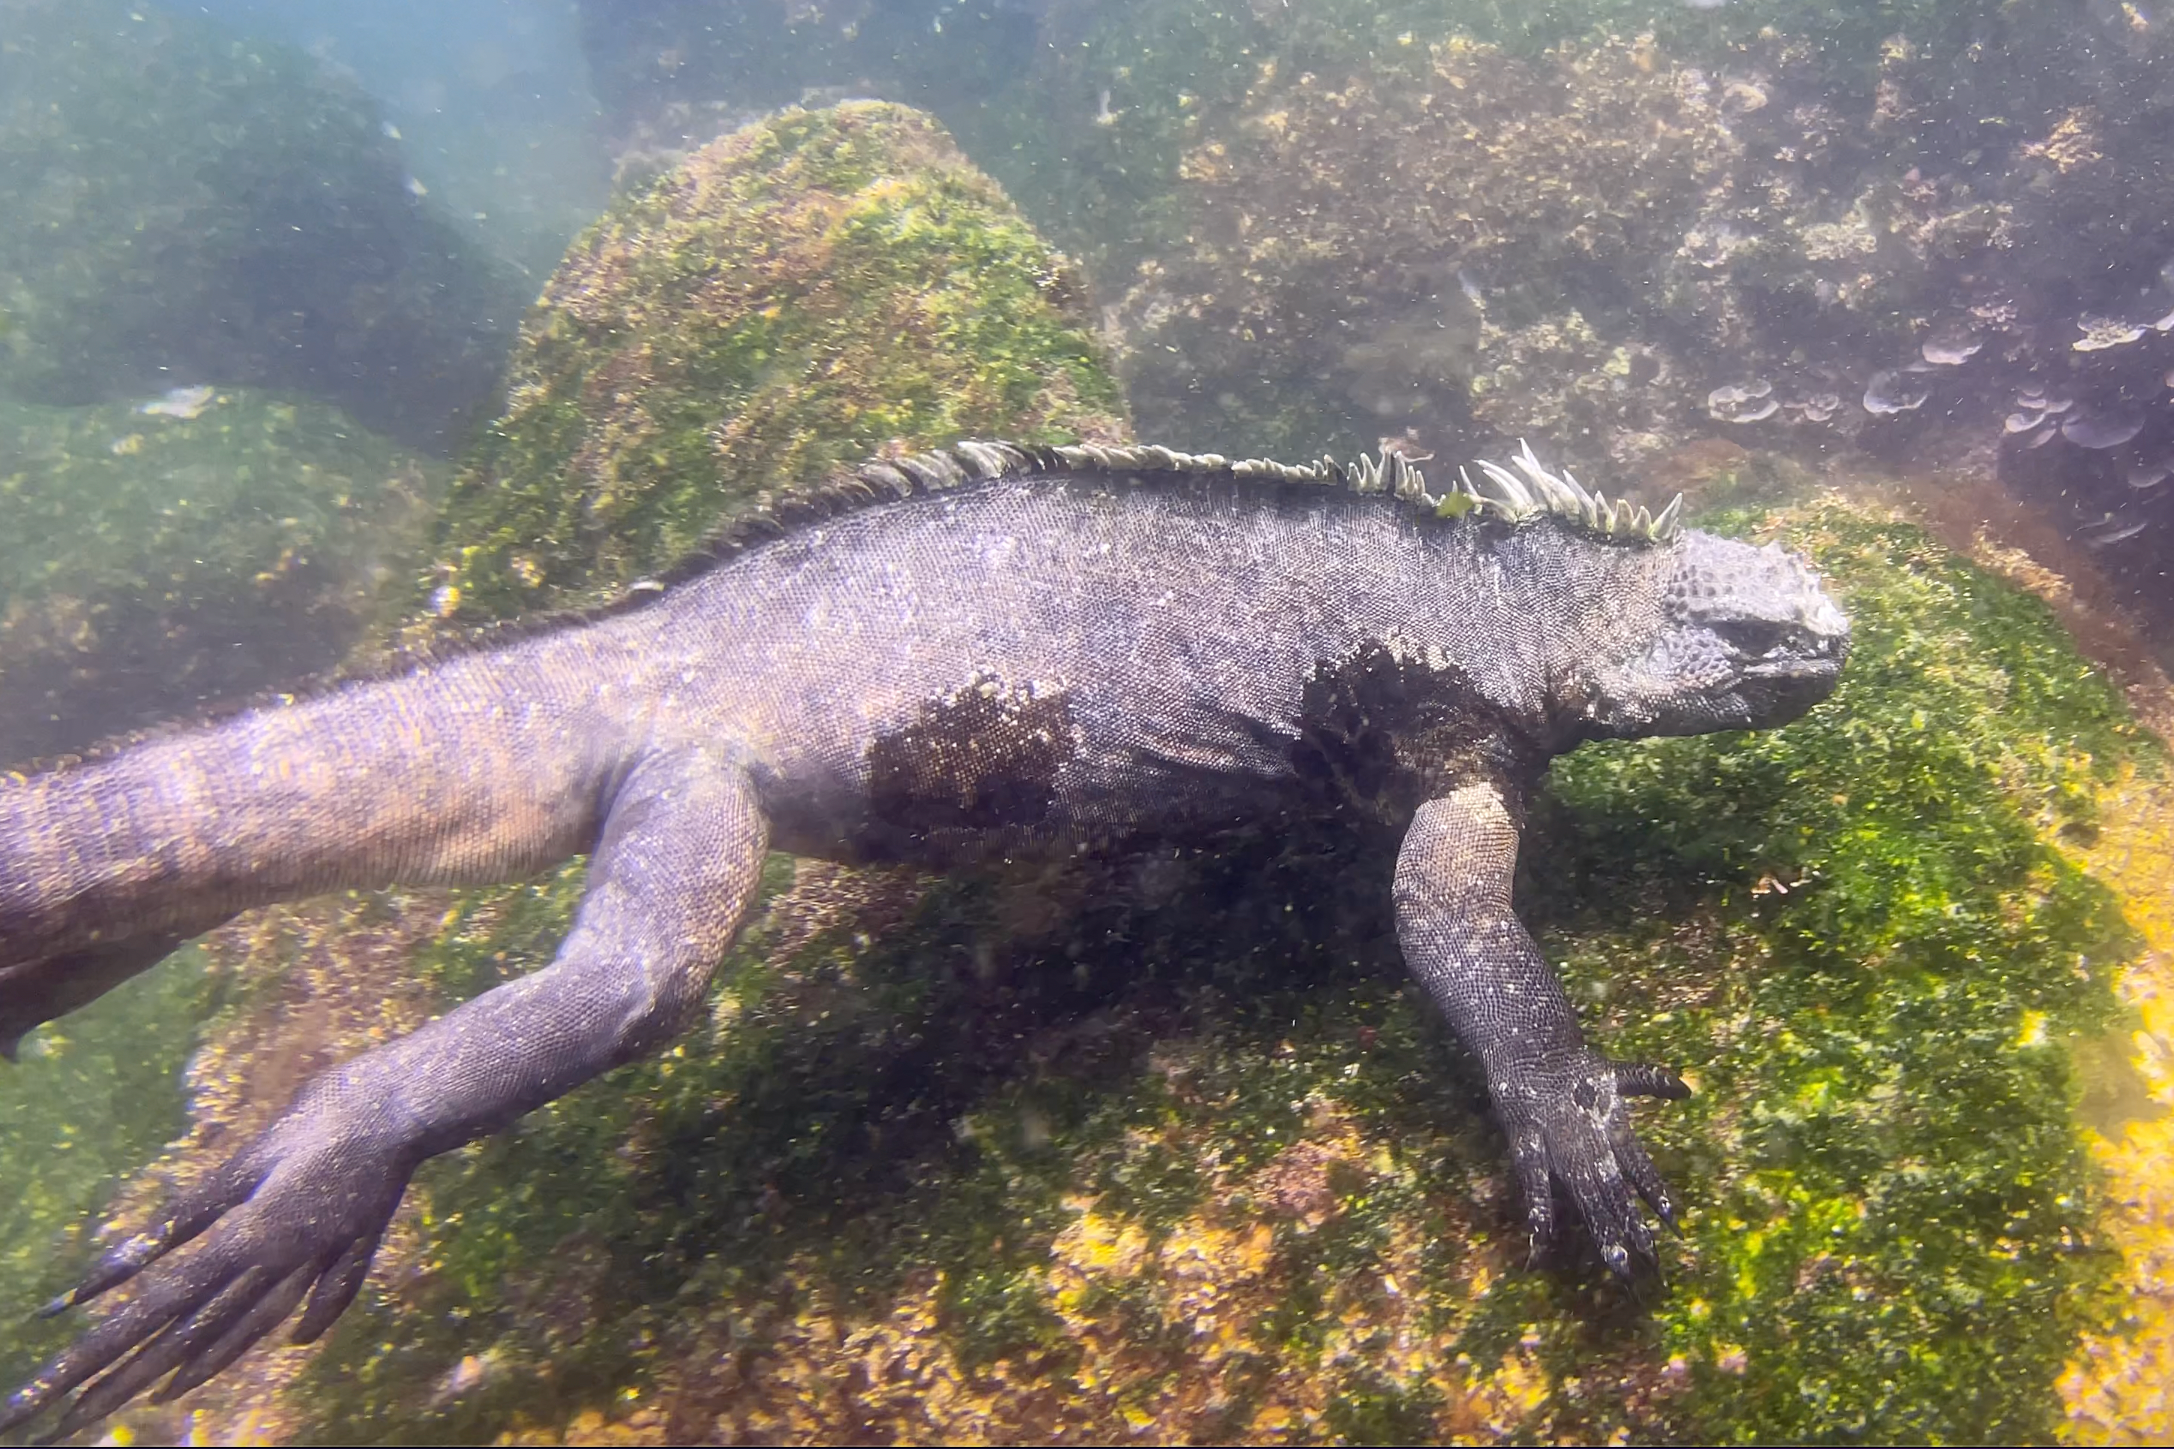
x: 1745, y: 638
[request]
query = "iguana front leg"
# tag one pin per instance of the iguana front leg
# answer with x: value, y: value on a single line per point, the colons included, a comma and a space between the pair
x: 299, y: 1211
x: 1561, y: 1104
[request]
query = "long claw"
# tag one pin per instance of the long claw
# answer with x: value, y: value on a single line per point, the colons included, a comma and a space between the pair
x: 1568, y: 1123
x: 1530, y: 1161
x: 174, y: 1345
x: 188, y: 1288
x: 1644, y: 1079
x: 183, y: 1223
x: 297, y: 1214
x: 242, y: 1333
x: 336, y: 1288
x: 1638, y: 1168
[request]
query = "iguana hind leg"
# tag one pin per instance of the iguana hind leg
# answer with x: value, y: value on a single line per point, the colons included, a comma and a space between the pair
x: 298, y: 1212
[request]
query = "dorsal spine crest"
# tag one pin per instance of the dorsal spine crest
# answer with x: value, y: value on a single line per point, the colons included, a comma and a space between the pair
x: 1517, y: 494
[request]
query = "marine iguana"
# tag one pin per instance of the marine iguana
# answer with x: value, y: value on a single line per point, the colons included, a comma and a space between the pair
x: 986, y: 651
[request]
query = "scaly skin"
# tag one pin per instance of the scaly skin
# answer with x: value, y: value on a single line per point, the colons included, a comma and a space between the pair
x: 1016, y: 650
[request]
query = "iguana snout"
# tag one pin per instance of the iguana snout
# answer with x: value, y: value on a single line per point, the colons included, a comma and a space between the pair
x: 1748, y: 638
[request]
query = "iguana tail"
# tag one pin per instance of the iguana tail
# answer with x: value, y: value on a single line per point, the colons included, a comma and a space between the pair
x: 486, y: 768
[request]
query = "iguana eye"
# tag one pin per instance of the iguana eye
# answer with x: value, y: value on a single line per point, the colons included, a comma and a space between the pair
x: 1752, y: 638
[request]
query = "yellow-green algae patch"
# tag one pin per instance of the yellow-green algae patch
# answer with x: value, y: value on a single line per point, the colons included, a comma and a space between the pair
x: 812, y: 290
x: 2120, y: 1388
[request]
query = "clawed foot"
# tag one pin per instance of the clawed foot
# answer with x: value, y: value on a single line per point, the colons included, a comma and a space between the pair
x: 1568, y: 1122
x: 297, y: 1213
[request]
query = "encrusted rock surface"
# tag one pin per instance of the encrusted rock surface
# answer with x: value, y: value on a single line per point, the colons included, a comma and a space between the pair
x: 1156, y: 1150
x: 1426, y: 243
x: 186, y: 552
x: 807, y: 292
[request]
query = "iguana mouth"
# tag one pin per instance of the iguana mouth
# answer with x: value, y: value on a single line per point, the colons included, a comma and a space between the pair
x: 1822, y: 666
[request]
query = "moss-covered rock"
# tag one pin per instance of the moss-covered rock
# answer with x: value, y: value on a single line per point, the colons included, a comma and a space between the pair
x: 190, y: 550
x: 1407, y: 245
x: 188, y: 207
x: 946, y: 315
x: 817, y: 288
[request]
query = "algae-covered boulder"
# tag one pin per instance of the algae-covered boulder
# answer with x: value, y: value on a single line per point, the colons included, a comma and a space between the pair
x: 814, y: 289
x: 186, y: 207
x: 186, y: 551
x: 1428, y: 244
x: 945, y: 314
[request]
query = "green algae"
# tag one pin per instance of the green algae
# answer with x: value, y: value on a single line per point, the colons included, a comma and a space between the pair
x: 1895, y: 1234
x: 984, y: 1156
x: 153, y: 561
x: 801, y: 295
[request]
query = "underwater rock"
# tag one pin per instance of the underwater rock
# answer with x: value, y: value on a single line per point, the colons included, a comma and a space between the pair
x: 2101, y: 333
x: 188, y: 551
x: 817, y: 288
x: 1743, y: 402
x: 902, y: 297
x: 2114, y: 530
x: 1951, y: 345
x: 1444, y: 186
x: 186, y: 204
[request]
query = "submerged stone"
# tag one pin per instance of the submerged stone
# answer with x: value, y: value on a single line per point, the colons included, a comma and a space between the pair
x: 2101, y: 430
x: 1895, y: 390
x: 818, y: 288
x: 184, y: 204
x: 190, y: 551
